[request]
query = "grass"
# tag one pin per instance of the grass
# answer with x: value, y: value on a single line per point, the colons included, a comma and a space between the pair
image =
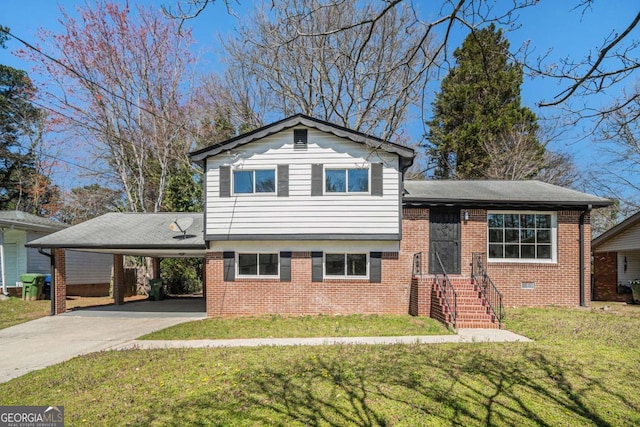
x: 582, y: 370
x: 301, y: 326
x: 16, y: 310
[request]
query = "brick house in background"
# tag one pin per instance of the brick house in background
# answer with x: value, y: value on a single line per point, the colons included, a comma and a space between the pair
x: 616, y: 260
x: 306, y: 217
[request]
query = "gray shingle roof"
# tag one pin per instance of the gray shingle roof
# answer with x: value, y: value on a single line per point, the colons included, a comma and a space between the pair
x: 405, y: 154
x: 497, y: 193
x: 130, y: 233
x: 27, y: 221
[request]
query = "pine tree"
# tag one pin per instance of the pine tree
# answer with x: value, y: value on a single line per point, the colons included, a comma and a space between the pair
x: 479, y: 105
x: 22, y: 186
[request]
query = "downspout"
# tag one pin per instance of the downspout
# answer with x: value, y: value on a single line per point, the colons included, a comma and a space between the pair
x: 2, y: 263
x: 582, y: 254
x: 52, y: 294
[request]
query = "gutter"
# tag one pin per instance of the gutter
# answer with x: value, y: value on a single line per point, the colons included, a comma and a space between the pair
x: 52, y: 294
x: 2, y: 263
x: 583, y: 303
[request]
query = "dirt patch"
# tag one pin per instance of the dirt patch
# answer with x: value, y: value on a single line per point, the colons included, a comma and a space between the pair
x: 620, y: 308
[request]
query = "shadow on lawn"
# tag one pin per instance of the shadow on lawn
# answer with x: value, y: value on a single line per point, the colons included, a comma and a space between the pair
x: 476, y: 391
x: 451, y: 386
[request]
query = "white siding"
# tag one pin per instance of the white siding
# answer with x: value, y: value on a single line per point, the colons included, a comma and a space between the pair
x: 36, y: 262
x: 87, y: 268
x: 633, y: 267
x: 627, y: 240
x: 306, y: 246
x: 300, y: 213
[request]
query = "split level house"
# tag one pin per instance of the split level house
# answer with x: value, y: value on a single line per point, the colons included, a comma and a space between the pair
x: 306, y: 217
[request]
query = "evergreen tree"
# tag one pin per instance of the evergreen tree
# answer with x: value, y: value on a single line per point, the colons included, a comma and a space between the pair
x: 479, y: 105
x: 22, y: 186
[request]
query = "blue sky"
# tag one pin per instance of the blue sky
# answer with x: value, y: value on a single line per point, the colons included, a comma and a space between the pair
x: 551, y: 24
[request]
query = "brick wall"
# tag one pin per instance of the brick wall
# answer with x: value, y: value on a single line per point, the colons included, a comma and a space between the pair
x: 556, y: 283
x: 605, y: 274
x: 243, y: 297
x: 60, y: 281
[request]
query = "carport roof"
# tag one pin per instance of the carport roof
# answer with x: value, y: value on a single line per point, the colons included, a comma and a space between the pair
x: 144, y: 234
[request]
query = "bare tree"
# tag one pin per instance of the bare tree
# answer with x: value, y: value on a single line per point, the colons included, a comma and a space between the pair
x: 121, y: 79
x: 605, y: 67
x: 361, y: 78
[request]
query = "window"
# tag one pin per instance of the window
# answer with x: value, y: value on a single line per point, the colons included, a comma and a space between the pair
x: 521, y: 236
x: 258, y: 265
x: 347, y: 180
x: 346, y: 265
x: 254, y: 181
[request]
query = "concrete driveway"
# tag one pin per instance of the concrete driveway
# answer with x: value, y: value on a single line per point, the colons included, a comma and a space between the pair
x: 50, y: 340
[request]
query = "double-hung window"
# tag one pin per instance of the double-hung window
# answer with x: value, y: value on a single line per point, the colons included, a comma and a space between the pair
x: 258, y: 265
x: 522, y: 236
x: 346, y: 265
x: 250, y: 181
x: 347, y: 180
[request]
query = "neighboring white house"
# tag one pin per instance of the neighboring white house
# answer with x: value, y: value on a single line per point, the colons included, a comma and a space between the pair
x: 87, y: 273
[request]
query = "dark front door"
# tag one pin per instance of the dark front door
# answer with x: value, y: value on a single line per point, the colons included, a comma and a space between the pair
x: 444, y: 240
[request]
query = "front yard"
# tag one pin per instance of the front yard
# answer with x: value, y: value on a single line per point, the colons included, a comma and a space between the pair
x: 581, y: 370
x: 301, y: 326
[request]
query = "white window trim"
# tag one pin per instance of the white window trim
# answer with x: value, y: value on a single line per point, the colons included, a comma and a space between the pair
x: 554, y: 240
x: 257, y: 275
x: 254, y: 193
x: 345, y: 253
x: 346, y: 192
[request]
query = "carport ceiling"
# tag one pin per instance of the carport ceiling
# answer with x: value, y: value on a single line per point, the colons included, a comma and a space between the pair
x: 140, y: 234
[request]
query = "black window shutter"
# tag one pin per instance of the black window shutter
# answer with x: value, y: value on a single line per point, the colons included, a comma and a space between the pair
x: 283, y: 180
x: 375, y: 267
x: 229, y: 266
x: 225, y: 181
x: 316, y: 266
x: 316, y: 180
x: 376, y: 179
x: 285, y: 266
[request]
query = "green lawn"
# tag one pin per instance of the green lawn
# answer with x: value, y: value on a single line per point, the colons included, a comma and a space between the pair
x: 301, y: 326
x: 582, y: 370
x: 16, y: 310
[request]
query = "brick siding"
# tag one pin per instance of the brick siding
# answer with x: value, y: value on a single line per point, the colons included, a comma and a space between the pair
x: 605, y: 275
x: 60, y: 281
x: 556, y: 283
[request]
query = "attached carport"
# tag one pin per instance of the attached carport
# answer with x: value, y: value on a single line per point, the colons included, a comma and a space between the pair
x: 155, y: 235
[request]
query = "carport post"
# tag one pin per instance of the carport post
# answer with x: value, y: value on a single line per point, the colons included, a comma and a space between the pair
x: 118, y: 279
x: 155, y: 268
x: 59, y: 282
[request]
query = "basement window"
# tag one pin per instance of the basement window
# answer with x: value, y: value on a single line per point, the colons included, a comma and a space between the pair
x: 258, y: 265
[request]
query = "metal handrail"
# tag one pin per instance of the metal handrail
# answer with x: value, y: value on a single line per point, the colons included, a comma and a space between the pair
x: 448, y: 291
x: 489, y: 290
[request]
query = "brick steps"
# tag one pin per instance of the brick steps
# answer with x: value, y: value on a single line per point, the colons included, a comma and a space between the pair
x: 473, y: 310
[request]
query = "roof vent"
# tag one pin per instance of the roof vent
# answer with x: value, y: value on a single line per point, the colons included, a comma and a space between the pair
x: 300, y: 139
